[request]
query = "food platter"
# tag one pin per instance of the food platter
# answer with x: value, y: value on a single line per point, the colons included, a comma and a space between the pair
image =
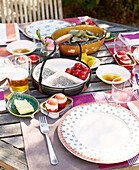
x: 56, y: 80
x: 112, y: 69
x: 100, y: 132
x: 47, y: 27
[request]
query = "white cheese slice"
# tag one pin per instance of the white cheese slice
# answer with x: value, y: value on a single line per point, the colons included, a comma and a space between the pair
x: 23, y: 106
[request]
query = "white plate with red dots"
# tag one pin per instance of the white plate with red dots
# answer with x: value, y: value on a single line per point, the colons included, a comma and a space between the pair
x: 21, y: 47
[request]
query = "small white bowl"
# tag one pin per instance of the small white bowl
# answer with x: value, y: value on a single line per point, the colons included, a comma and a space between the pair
x: 113, y: 69
x: 20, y: 45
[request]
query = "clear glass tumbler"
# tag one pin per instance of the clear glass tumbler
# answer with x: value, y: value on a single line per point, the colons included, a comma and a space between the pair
x: 17, y: 72
x: 120, y: 46
x: 121, y: 92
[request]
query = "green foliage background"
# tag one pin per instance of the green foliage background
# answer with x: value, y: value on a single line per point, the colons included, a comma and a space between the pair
x: 120, y: 11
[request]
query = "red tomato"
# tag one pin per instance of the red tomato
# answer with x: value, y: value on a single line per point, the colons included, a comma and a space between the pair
x: 83, y: 75
x: 77, y: 72
x: 86, y: 69
x: 121, y: 52
x: 69, y: 70
x: 78, y: 66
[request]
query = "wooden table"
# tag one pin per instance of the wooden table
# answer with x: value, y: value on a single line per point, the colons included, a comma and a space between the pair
x: 12, y: 154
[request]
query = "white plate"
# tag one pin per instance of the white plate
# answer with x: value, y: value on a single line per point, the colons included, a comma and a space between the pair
x: 100, y: 132
x: 113, y: 69
x: 47, y: 27
x: 21, y: 44
x: 97, y: 63
x: 58, y: 66
x: 136, y: 54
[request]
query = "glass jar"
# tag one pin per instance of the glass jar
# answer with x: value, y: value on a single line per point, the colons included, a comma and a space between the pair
x: 45, y: 51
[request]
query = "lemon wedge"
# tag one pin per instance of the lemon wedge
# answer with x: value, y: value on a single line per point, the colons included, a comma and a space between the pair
x: 91, y: 62
x: 88, y: 59
x: 108, y: 34
x: 84, y: 56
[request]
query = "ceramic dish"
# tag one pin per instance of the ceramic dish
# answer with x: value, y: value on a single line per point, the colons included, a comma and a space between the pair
x: 136, y: 54
x: 72, y: 49
x: 110, y: 37
x: 12, y: 109
x: 100, y: 132
x: 21, y: 44
x: 113, y: 69
x: 60, y: 112
x: 47, y: 27
x: 56, y: 80
x: 130, y: 66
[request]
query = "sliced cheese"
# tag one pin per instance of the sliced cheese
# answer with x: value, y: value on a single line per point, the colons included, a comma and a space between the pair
x: 23, y: 106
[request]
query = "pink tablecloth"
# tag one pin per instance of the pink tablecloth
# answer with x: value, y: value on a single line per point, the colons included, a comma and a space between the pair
x: 36, y: 148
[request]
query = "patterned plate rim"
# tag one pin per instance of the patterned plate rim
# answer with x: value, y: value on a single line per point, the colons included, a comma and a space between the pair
x: 25, y: 28
x: 90, y: 159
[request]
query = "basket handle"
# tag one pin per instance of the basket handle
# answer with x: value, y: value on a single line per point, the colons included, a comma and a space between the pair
x: 44, y: 61
x: 50, y: 57
x: 80, y: 54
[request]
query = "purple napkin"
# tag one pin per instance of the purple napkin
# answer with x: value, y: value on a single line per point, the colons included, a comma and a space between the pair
x: 131, y: 36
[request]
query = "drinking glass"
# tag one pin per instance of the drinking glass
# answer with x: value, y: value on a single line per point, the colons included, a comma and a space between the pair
x: 121, y: 92
x: 17, y: 72
x: 45, y: 51
x: 119, y: 45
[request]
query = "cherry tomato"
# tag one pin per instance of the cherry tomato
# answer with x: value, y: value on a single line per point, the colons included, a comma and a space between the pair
x: 78, y: 66
x: 77, y: 72
x: 86, y: 69
x: 83, y: 75
x: 121, y: 52
x: 69, y: 70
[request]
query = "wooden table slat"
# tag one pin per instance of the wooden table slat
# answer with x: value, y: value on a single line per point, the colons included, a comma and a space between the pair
x: 13, y: 158
x: 10, y: 130
x: 16, y: 141
x: 8, y: 118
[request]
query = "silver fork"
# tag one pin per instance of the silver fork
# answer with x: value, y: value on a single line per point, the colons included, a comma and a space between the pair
x: 45, y: 129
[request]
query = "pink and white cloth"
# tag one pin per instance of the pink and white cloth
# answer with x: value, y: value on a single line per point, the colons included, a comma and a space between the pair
x: 131, y: 38
x: 8, y: 32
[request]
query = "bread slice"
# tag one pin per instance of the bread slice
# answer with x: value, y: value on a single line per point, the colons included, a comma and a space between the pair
x: 23, y: 106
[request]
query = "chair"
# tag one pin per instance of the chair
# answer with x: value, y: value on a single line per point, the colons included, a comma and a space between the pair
x: 24, y: 11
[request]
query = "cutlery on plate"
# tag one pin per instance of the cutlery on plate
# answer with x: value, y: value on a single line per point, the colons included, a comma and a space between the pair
x: 135, y: 85
x: 137, y: 78
x: 45, y: 129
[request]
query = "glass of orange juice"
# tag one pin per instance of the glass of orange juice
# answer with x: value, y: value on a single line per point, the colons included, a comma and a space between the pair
x: 17, y: 72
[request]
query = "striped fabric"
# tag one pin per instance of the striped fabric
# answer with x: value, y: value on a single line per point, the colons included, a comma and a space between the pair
x: 8, y: 33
